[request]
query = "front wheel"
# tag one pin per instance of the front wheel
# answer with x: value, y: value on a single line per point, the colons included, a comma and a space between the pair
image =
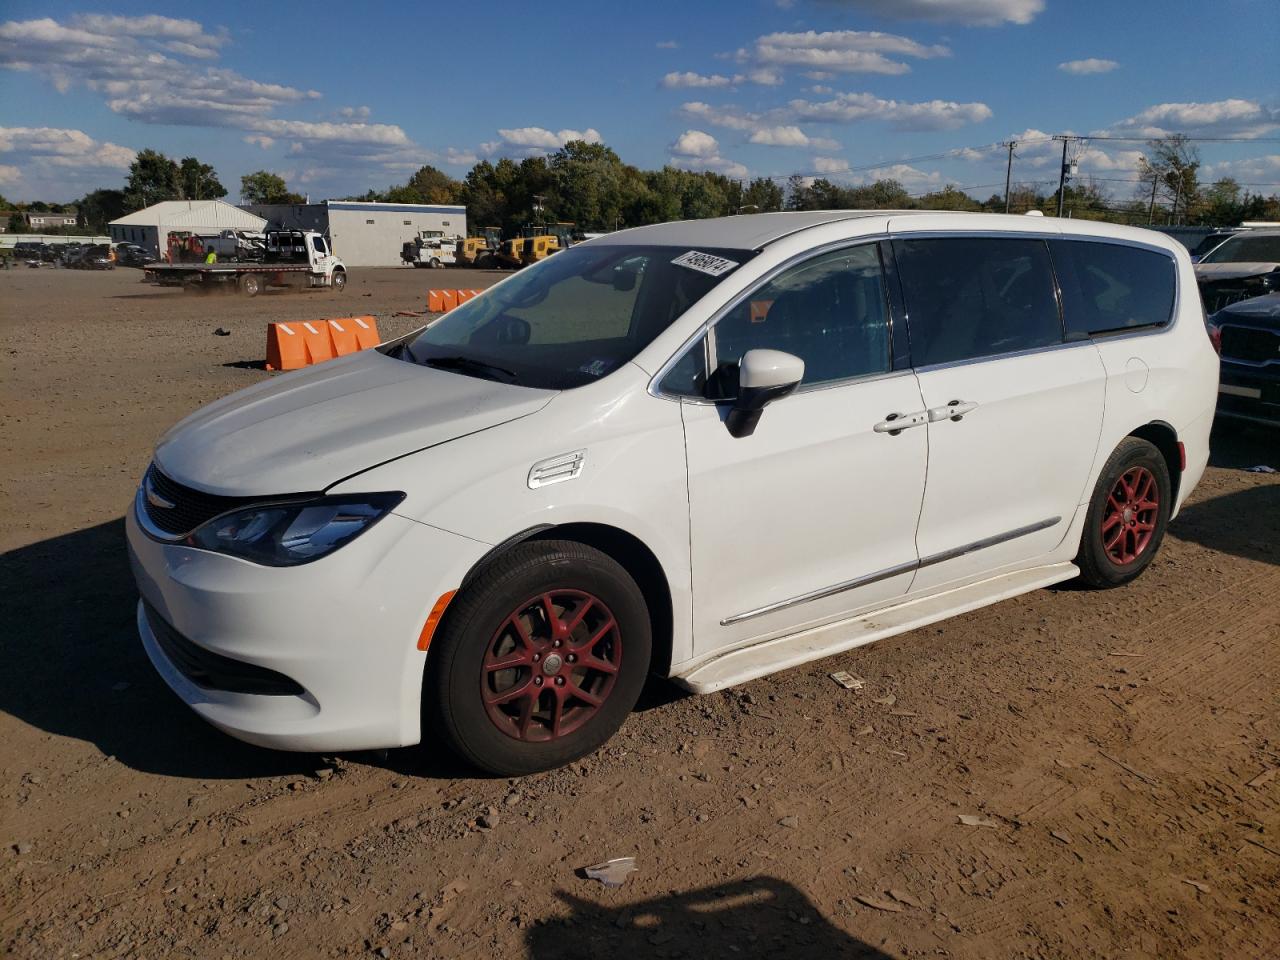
x: 1127, y: 515
x: 539, y: 659
x: 339, y: 280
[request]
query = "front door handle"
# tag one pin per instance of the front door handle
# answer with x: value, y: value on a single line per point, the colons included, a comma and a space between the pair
x: 952, y: 411
x: 895, y: 423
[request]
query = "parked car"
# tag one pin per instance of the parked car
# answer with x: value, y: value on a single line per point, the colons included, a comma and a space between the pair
x: 1211, y: 242
x: 711, y: 450
x: 70, y: 253
x: 131, y: 255
x: 1247, y: 335
x: 97, y: 257
x: 1244, y: 266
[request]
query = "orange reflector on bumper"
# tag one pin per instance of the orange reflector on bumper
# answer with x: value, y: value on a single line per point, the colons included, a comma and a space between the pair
x: 433, y: 619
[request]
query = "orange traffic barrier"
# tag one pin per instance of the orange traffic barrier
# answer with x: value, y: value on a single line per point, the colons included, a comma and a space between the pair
x: 442, y: 301
x: 293, y: 345
x: 353, y: 333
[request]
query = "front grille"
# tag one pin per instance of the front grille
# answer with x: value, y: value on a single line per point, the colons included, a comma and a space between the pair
x: 212, y: 671
x: 1249, y: 344
x: 190, y: 509
x: 1223, y: 293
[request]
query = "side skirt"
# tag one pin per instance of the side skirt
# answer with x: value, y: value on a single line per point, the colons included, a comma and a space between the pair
x: 780, y: 653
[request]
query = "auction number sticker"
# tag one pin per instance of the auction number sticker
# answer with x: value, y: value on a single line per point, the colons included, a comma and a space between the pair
x: 704, y: 263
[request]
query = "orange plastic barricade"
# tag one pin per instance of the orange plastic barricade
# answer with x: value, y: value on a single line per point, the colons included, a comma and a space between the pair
x: 435, y: 302
x: 464, y: 295
x: 351, y: 334
x: 449, y: 300
x: 286, y: 349
x: 318, y: 340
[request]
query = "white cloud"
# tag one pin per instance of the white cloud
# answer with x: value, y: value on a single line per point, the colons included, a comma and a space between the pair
x: 9, y: 175
x: 830, y: 165
x: 765, y: 76
x: 698, y: 150
x: 845, y: 108
x: 716, y: 164
x: 790, y: 136
x: 56, y: 161
x: 913, y: 178
x: 972, y: 13
x: 259, y: 140
x: 385, y: 134
x: 1264, y: 169
x: 1221, y: 118
x: 689, y: 79
x: 925, y: 115
x: 842, y: 51
x: 1087, y: 66
x: 695, y: 143
x: 666, y: 45
x: 354, y: 113
x: 460, y: 158
x: 533, y: 141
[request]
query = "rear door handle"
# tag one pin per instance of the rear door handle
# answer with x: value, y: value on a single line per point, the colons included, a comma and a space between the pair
x: 952, y: 411
x: 895, y: 423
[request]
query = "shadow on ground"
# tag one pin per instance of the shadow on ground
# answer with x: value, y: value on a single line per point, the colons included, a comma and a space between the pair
x: 759, y: 917
x: 1245, y: 523
x: 74, y: 667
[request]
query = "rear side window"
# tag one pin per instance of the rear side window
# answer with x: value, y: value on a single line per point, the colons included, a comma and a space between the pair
x: 970, y: 297
x: 1109, y: 287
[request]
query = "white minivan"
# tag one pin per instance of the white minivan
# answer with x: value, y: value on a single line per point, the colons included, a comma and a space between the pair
x: 707, y: 450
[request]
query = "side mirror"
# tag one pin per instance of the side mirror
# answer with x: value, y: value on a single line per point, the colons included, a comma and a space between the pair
x: 763, y: 377
x: 624, y: 280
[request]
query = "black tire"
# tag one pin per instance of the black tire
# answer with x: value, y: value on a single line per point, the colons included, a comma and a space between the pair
x: 339, y: 280
x: 480, y: 620
x: 1101, y: 567
x: 250, y: 284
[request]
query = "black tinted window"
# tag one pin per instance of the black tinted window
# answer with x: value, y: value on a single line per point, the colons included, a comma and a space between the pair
x: 1108, y: 286
x: 970, y: 297
x: 688, y: 378
x: 1246, y: 248
x: 829, y: 311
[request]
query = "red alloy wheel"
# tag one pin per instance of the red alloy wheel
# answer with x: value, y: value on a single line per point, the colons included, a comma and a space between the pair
x: 1129, y: 521
x: 551, y: 665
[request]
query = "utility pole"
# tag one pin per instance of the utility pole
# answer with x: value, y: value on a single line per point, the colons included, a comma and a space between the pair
x: 1062, y: 174
x: 1151, y: 210
x: 1008, y: 173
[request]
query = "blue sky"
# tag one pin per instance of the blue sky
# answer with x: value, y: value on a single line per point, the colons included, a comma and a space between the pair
x: 338, y: 97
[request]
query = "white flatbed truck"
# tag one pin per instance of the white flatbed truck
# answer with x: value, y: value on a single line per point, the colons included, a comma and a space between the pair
x: 297, y: 259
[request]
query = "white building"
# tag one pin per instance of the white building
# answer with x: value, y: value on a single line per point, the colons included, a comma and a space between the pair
x: 366, y: 234
x: 150, y: 228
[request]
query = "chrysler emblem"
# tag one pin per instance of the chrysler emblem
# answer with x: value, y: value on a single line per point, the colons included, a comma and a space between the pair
x: 154, y: 498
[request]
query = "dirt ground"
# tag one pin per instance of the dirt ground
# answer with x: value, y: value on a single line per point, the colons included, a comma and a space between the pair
x: 1120, y: 750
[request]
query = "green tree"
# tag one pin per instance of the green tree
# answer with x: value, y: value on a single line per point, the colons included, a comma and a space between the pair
x: 949, y: 197
x: 586, y: 181
x: 428, y: 185
x: 100, y: 207
x: 17, y: 223
x: 153, y: 177
x: 266, y: 187
x: 763, y: 194
x: 1169, y: 171
x: 198, y: 181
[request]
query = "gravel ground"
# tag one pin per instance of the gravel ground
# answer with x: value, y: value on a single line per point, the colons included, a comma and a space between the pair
x: 1117, y: 755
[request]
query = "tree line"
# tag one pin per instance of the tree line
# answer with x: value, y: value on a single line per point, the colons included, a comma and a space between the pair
x: 589, y: 185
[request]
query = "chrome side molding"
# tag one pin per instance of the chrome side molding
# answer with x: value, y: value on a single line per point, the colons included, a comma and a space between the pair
x: 894, y: 571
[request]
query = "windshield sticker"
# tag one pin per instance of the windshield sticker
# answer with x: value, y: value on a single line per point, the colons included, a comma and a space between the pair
x: 704, y: 263
x: 595, y: 368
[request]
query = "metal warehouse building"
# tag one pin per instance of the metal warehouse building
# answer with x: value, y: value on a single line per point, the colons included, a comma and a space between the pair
x: 366, y: 234
x: 150, y: 227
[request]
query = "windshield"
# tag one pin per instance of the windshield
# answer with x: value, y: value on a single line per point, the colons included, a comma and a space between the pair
x: 1246, y: 249
x: 575, y: 317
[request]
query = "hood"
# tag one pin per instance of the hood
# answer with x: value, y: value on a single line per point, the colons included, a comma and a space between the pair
x: 1261, y: 311
x: 304, y: 431
x: 1232, y: 271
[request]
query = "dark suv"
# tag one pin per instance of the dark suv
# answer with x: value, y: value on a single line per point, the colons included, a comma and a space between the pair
x: 1247, y: 334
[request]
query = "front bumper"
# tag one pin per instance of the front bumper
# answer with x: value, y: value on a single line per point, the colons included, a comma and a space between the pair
x: 344, y: 629
x: 1247, y: 392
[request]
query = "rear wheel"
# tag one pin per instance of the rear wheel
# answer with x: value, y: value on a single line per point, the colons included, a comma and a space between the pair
x: 251, y: 284
x: 1127, y: 515
x: 540, y: 658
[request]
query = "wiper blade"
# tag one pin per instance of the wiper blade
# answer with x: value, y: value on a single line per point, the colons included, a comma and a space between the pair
x: 469, y: 365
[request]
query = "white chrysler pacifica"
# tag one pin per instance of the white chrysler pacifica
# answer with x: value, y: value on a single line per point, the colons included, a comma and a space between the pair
x: 708, y: 450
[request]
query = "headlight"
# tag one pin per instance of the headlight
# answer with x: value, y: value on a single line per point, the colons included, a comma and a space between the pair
x: 287, y: 534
